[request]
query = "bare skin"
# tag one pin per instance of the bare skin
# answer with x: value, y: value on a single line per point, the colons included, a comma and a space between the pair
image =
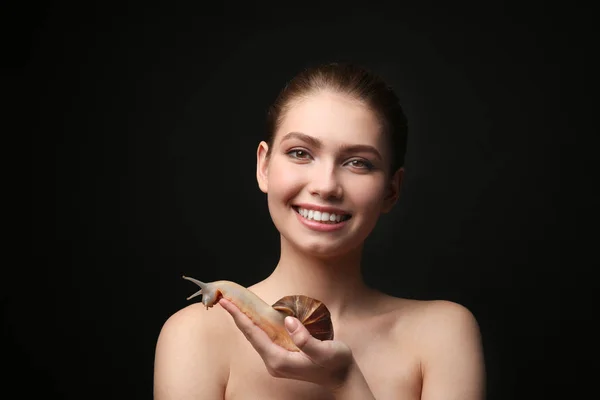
x: 386, y: 347
x: 397, y: 347
x: 381, y: 368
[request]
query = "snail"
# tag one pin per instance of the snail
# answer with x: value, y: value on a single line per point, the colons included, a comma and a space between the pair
x: 313, y: 314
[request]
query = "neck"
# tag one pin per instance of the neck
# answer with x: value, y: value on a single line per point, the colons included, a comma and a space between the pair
x: 336, y: 281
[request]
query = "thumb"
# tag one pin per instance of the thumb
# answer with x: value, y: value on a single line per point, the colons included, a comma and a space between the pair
x: 302, y: 337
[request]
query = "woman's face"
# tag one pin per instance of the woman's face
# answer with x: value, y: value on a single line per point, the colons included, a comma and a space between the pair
x: 326, y: 177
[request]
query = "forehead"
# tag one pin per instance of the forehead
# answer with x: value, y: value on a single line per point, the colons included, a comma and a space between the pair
x: 334, y: 118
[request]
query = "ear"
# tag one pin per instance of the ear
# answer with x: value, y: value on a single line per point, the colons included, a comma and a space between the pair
x: 262, y: 166
x: 393, y: 192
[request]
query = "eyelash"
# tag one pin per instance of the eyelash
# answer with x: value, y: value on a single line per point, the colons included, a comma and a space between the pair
x: 366, y: 164
x: 289, y: 153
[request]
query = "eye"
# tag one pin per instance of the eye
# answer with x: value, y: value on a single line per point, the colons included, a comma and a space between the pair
x: 298, y: 154
x: 361, y: 164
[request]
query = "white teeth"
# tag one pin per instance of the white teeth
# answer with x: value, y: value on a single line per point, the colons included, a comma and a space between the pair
x: 319, y: 216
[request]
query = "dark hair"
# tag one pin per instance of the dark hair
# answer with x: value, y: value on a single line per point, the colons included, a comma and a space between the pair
x: 355, y: 81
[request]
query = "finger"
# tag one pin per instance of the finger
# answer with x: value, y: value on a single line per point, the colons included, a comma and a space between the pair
x: 315, y: 349
x: 241, y: 320
x: 253, y: 333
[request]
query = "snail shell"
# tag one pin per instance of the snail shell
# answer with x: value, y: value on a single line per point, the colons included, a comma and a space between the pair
x: 313, y: 314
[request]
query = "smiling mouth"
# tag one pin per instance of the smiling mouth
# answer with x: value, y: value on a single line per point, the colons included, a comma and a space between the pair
x: 321, y: 216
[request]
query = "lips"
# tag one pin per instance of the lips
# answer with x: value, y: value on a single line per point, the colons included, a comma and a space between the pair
x: 322, y: 215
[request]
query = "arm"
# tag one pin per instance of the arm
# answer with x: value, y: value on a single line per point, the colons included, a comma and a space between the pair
x: 189, y: 362
x: 453, y: 365
x: 327, y: 363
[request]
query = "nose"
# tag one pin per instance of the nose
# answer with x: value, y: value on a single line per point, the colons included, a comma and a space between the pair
x: 325, y: 183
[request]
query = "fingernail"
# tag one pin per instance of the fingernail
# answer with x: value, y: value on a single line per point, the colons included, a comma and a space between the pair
x: 291, y: 324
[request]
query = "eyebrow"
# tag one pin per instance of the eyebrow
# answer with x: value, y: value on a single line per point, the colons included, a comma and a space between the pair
x: 346, y: 148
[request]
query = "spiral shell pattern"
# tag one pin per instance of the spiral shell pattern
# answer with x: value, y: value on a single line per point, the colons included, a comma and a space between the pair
x: 313, y: 314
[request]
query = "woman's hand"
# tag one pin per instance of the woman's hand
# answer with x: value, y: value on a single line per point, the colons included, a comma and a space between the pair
x: 325, y: 363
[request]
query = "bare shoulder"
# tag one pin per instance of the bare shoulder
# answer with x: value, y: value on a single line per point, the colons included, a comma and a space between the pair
x: 430, y: 317
x: 436, y: 315
x: 449, y: 342
x: 191, y: 358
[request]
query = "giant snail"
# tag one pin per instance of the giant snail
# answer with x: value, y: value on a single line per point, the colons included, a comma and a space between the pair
x: 312, y: 313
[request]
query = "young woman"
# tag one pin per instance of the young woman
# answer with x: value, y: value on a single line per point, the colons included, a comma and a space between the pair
x: 331, y: 165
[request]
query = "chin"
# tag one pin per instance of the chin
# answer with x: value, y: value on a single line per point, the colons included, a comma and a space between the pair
x: 319, y: 248
x: 318, y: 243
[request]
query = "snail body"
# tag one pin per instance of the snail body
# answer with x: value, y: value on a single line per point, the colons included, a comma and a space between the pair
x: 313, y: 314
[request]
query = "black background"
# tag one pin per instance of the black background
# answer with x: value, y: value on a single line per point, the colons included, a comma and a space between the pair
x: 145, y: 122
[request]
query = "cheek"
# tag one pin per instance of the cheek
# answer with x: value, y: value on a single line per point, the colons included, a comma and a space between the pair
x: 368, y: 195
x: 284, y: 182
